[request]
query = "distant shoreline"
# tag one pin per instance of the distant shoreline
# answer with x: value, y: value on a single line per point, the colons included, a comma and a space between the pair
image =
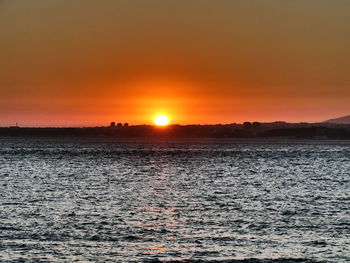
x: 278, y: 130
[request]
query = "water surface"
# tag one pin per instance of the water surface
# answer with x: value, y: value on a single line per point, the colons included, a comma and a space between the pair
x: 134, y: 201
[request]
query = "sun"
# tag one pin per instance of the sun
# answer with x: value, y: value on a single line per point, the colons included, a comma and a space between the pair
x: 161, y: 120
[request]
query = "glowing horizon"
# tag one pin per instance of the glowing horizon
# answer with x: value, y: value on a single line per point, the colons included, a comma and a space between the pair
x: 213, y: 62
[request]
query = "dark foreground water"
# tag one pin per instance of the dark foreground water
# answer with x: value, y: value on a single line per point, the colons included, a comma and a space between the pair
x: 105, y: 201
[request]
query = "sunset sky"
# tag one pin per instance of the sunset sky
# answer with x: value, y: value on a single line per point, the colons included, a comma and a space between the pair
x: 87, y: 63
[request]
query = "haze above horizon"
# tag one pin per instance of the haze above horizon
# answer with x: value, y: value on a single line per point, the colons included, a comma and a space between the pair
x: 86, y: 63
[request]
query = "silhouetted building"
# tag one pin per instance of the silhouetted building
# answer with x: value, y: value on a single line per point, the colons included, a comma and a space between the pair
x: 256, y: 125
x: 14, y: 127
x: 247, y: 125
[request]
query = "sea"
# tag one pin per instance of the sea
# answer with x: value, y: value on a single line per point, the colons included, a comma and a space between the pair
x: 149, y: 200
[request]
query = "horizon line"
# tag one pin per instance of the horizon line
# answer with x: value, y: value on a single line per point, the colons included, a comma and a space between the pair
x: 171, y: 124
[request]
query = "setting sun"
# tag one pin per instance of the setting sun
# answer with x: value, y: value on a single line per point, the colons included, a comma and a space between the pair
x: 161, y: 120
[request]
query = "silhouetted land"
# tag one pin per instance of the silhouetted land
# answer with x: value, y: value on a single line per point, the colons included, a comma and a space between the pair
x: 246, y: 130
x: 341, y: 120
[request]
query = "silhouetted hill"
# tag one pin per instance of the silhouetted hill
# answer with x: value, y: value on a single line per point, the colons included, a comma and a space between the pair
x: 341, y: 120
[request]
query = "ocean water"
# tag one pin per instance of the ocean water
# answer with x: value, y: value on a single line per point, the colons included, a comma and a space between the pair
x: 194, y: 201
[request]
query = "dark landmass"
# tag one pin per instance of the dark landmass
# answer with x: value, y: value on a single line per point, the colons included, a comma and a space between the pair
x: 341, y: 120
x: 245, y: 130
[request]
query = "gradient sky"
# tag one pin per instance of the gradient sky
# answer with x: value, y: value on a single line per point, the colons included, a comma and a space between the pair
x: 84, y: 62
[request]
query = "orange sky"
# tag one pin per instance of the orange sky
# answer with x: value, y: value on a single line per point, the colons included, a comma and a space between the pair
x: 85, y: 62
